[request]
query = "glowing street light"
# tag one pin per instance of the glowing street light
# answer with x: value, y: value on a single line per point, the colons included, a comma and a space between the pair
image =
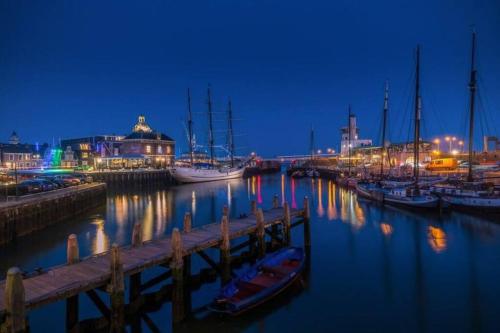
x: 437, y: 142
x: 461, y: 144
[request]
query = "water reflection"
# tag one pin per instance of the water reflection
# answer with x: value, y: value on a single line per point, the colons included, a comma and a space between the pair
x: 436, y: 238
x: 386, y: 229
x: 101, y: 240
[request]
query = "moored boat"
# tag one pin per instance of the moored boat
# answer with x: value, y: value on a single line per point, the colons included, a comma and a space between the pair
x: 262, y: 281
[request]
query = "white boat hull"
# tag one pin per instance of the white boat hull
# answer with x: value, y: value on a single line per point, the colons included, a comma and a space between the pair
x: 480, y: 204
x: 193, y: 175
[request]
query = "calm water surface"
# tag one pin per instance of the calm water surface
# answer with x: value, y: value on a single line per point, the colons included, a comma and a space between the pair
x: 372, y: 269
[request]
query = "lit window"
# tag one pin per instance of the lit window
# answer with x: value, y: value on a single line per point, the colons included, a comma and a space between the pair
x: 160, y: 150
x: 148, y: 149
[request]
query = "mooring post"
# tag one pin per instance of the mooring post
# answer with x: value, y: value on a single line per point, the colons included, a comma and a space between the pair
x: 286, y: 224
x: 253, y: 207
x: 307, y: 225
x: 116, y: 291
x: 73, y: 256
x: 15, y: 311
x: 177, y: 267
x: 137, y: 235
x: 225, y: 211
x: 261, y: 232
x: 274, y: 228
x: 225, y: 254
x: 187, y: 265
x: 276, y: 203
x: 135, y: 279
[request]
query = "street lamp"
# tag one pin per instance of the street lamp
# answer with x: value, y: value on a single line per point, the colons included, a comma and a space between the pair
x: 437, y: 142
x: 461, y: 144
x: 448, y: 139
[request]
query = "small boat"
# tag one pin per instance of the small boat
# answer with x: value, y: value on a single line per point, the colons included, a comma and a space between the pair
x: 312, y: 173
x: 264, y: 280
x: 298, y: 174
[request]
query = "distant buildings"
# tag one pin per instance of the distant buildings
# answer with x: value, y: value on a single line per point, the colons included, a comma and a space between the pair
x: 350, y: 137
x: 17, y: 155
x: 144, y: 147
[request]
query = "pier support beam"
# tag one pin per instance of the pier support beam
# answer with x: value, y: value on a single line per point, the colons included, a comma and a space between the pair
x: 225, y: 251
x: 15, y: 317
x: 274, y: 228
x: 116, y: 290
x: 187, y: 224
x: 261, y: 233
x: 253, y: 207
x: 307, y: 225
x: 177, y: 266
x: 73, y: 256
x: 135, y: 279
x: 286, y: 224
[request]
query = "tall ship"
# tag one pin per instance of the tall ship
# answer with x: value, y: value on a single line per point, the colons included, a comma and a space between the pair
x: 409, y: 195
x: 212, y: 170
x: 471, y: 194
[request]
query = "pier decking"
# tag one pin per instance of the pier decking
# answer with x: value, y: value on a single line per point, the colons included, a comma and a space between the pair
x: 77, y: 276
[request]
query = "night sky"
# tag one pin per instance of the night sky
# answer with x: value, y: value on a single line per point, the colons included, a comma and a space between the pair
x: 79, y: 68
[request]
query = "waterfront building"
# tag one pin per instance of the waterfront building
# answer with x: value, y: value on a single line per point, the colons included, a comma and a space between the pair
x: 88, y: 149
x: 400, y: 154
x: 17, y: 155
x: 144, y: 147
x: 354, y: 141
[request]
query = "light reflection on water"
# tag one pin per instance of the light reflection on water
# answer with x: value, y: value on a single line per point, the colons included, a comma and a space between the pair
x: 367, y: 261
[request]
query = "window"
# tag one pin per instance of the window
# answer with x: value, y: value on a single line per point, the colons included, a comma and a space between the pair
x: 160, y: 150
x: 148, y: 149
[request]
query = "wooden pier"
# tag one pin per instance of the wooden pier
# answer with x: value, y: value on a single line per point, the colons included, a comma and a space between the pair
x: 107, y: 271
x: 134, y: 177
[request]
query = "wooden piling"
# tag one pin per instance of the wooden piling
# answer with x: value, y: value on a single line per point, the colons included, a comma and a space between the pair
x: 307, y: 225
x: 15, y: 317
x: 73, y: 256
x: 116, y: 290
x: 261, y: 232
x: 253, y: 207
x: 137, y: 235
x: 225, y: 211
x: 188, y: 221
x: 187, y: 266
x: 274, y: 228
x: 276, y: 203
x: 177, y: 265
x: 286, y: 224
x: 135, y: 279
x: 225, y: 247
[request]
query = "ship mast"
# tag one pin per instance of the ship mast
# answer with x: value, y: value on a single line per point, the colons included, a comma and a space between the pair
x: 472, y: 89
x: 311, y: 143
x: 386, y: 108
x: 230, y: 136
x: 210, y: 127
x: 416, y: 140
x: 349, y: 141
x: 190, y: 126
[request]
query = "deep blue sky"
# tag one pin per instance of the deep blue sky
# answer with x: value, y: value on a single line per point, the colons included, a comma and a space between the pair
x: 77, y: 68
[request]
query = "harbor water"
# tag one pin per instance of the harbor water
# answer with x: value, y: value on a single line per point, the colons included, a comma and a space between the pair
x: 371, y: 268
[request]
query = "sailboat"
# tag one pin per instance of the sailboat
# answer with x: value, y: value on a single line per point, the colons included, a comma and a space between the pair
x: 410, y: 196
x: 471, y: 195
x: 212, y: 171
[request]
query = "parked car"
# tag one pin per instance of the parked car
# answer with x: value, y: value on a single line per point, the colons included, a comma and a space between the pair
x: 58, y: 183
x: 83, y: 177
x: 29, y: 187
x: 69, y: 180
x: 45, y: 184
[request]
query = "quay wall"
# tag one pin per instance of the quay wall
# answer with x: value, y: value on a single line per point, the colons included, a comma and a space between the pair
x: 134, y: 178
x: 37, y: 211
